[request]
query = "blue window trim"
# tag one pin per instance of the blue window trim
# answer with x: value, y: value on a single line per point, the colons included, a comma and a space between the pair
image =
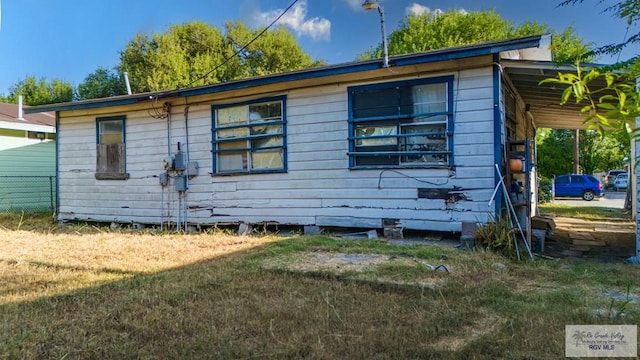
x: 215, y: 141
x: 448, y: 79
x: 112, y: 118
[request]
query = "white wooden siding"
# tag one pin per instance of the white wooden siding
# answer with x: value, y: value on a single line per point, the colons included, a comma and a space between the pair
x: 318, y: 188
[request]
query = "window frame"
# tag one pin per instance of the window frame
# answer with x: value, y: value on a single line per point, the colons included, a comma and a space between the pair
x: 215, y: 129
x: 397, y: 121
x: 112, y: 175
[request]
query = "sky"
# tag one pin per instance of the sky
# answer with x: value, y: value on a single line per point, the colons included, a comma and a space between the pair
x: 70, y: 39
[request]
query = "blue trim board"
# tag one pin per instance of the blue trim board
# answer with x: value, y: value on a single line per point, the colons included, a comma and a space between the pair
x: 497, y: 128
x: 451, y: 121
x: 354, y: 67
x: 57, y: 208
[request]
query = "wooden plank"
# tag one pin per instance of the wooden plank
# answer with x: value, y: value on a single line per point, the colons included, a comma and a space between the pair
x: 474, y: 116
x: 595, y: 243
x: 477, y: 93
x: 349, y: 221
x: 474, y: 105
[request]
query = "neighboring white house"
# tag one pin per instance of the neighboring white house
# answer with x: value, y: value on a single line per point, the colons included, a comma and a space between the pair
x: 349, y: 145
x: 27, y: 159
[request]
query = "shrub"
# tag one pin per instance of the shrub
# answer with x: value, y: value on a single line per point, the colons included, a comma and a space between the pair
x: 497, y: 235
x: 544, y: 190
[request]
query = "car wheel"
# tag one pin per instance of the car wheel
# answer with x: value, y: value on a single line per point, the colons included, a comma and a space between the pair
x: 588, y: 195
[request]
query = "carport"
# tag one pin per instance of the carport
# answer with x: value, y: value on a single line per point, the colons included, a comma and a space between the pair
x: 544, y: 109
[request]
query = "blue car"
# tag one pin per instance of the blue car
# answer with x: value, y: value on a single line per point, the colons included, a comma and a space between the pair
x: 576, y: 185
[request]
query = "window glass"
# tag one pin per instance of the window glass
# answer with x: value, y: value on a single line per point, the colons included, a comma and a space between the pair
x: 562, y: 180
x: 249, y: 138
x: 402, y: 124
x: 111, y: 132
x: 577, y: 179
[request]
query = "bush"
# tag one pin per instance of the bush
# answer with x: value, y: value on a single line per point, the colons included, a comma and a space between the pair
x: 545, y: 186
x: 497, y: 235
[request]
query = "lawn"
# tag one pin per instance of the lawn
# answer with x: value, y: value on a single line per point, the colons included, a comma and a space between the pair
x: 86, y: 292
x: 585, y: 212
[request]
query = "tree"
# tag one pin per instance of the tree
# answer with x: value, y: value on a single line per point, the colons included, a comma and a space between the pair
x: 432, y: 31
x: 101, y: 83
x: 184, y: 55
x: 272, y: 52
x: 195, y: 54
x: 615, y: 106
x: 597, y: 153
x: 554, y: 152
x: 626, y: 10
x: 40, y: 92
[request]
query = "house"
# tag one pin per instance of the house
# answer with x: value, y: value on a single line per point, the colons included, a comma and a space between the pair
x: 359, y: 145
x: 27, y: 159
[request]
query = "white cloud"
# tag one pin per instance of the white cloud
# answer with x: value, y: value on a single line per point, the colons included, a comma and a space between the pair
x: 417, y: 9
x: 296, y: 19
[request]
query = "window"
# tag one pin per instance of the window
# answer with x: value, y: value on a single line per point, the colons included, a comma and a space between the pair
x: 402, y: 124
x: 110, y: 150
x: 577, y: 179
x: 250, y: 137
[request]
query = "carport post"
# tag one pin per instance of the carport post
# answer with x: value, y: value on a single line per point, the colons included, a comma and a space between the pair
x: 634, y: 179
x: 634, y: 182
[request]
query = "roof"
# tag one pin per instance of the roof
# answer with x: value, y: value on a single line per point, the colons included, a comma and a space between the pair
x: 9, y: 118
x: 460, y: 52
x: 544, y: 100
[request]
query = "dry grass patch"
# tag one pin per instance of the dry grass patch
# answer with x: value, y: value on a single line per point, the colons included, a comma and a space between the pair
x: 34, y: 264
x: 84, y: 292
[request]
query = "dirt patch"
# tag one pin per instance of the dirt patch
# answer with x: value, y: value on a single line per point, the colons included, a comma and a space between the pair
x: 359, y: 267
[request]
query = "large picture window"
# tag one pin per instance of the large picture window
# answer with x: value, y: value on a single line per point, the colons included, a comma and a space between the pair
x: 110, y: 149
x: 402, y: 124
x: 250, y: 137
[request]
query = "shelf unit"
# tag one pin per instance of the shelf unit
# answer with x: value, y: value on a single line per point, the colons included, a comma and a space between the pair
x: 519, y: 181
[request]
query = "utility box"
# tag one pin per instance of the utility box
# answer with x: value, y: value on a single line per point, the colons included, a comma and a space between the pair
x: 164, y: 179
x: 181, y: 183
x: 192, y: 168
x: 179, y: 161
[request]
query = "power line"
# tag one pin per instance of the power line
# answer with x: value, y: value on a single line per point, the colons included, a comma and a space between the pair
x: 244, y: 47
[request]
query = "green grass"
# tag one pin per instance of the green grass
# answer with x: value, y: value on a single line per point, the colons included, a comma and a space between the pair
x: 84, y: 292
x: 584, y: 212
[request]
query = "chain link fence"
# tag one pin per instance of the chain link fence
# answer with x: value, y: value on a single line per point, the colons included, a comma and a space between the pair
x: 27, y: 193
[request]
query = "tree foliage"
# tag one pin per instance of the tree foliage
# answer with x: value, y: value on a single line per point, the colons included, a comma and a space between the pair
x: 40, y: 92
x: 272, y: 52
x: 101, y: 83
x: 597, y: 153
x: 616, y: 105
x: 627, y: 11
x: 196, y: 53
x: 435, y: 30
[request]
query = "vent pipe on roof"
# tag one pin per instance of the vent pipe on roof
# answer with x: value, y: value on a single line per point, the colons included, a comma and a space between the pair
x: 20, y: 108
x: 126, y: 81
